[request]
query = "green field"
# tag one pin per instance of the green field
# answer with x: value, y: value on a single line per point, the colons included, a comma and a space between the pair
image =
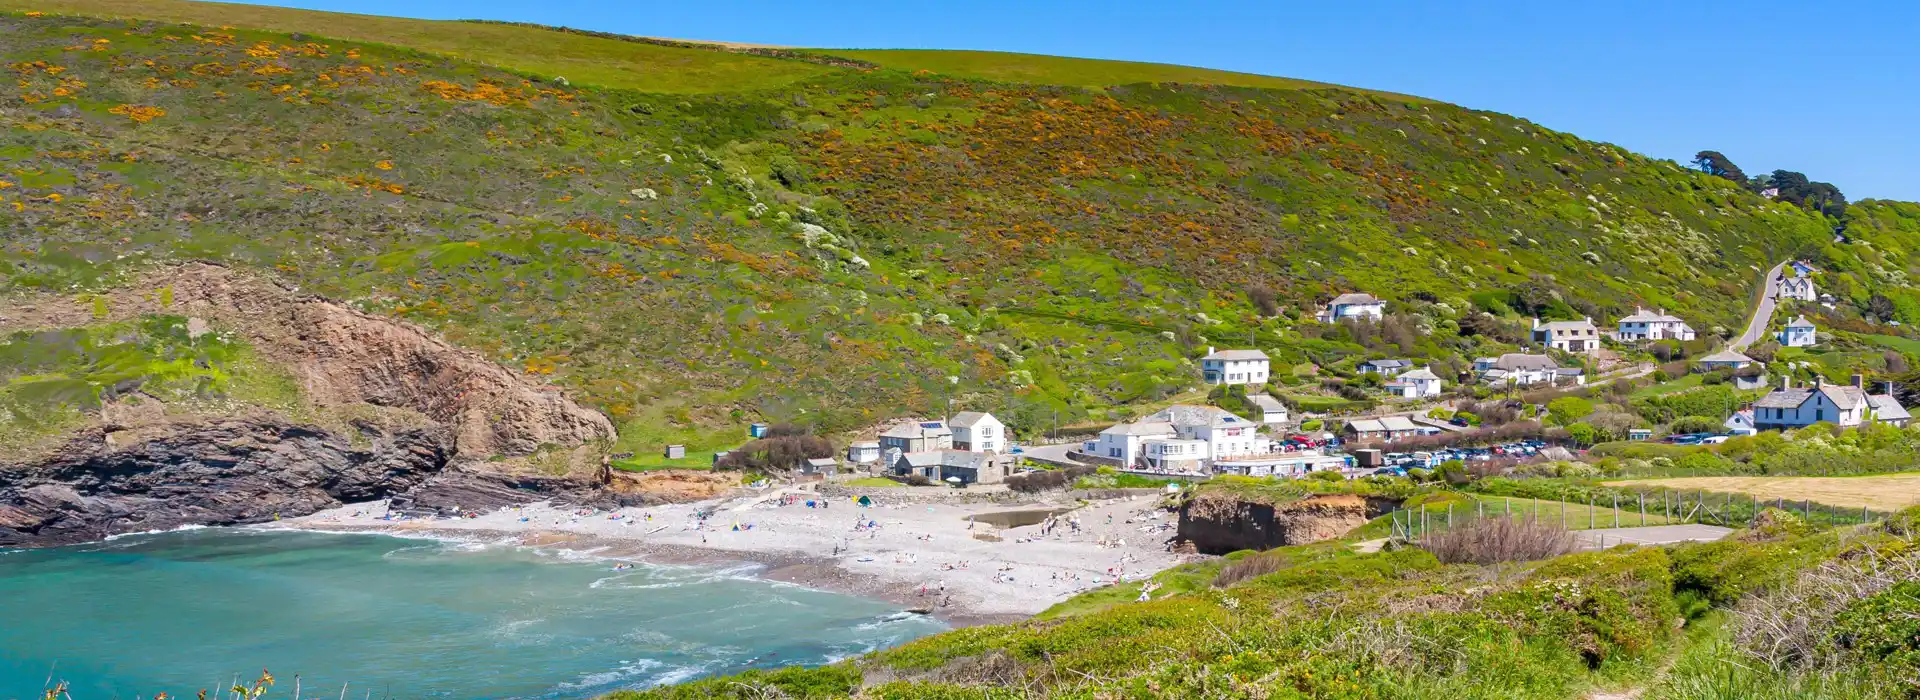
x: 1063, y: 70
x: 542, y: 53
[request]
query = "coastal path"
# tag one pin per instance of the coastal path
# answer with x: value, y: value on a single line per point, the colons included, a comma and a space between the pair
x: 1762, y: 311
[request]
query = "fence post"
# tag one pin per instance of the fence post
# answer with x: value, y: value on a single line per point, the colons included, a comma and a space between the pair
x: 1616, y: 511
x: 1863, y: 515
x: 1591, y: 514
x: 1509, y: 502
x: 1643, y: 508
x: 1479, y: 509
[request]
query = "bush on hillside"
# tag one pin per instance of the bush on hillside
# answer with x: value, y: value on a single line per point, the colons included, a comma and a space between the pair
x: 1694, y: 424
x: 1495, y: 540
x: 771, y: 453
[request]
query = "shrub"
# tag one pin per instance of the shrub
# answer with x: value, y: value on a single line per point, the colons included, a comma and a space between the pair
x: 1694, y: 424
x: 1567, y: 409
x: 1327, y: 475
x: 1495, y: 540
x: 1250, y: 566
x: 783, y: 452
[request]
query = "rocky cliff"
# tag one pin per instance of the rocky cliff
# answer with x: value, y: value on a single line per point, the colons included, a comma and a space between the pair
x: 389, y: 411
x: 1220, y: 523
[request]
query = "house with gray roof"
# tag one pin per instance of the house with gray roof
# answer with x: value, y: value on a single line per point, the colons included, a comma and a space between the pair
x: 976, y: 431
x: 1643, y: 325
x: 1271, y: 411
x: 1845, y: 405
x: 1181, y: 433
x: 917, y: 436
x: 1521, y: 369
x: 944, y: 466
x: 1384, y: 368
x: 1234, y: 367
x: 1353, y: 305
x: 1419, y: 383
x: 1567, y: 336
x: 1799, y: 333
x: 1725, y: 359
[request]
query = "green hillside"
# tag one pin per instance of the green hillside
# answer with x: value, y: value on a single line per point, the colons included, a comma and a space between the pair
x: 852, y: 245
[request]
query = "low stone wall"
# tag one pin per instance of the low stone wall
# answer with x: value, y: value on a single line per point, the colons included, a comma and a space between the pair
x: 923, y: 494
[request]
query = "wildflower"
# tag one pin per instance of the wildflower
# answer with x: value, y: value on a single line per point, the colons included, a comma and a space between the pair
x: 36, y: 14
x: 384, y: 165
x: 140, y: 114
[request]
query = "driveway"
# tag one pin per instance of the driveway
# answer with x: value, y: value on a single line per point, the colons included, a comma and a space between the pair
x: 1763, y: 313
x: 1051, y: 454
x: 1658, y: 534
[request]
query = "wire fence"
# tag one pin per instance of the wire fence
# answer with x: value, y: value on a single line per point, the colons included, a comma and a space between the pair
x: 1624, y: 508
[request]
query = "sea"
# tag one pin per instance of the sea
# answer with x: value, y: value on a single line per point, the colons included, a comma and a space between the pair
x: 376, y: 616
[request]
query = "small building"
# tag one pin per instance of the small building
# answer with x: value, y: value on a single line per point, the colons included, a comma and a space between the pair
x: 942, y: 465
x: 1741, y: 423
x: 1384, y: 368
x: 819, y: 466
x: 757, y: 430
x: 1639, y: 434
x: 1725, y: 359
x: 1234, y: 367
x: 1270, y: 410
x: 1389, y: 428
x: 675, y: 452
x: 1353, y: 305
x: 1646, y: 325
x: 1520, y: 369
x: 975, y: 431
x: 1842, y: 405
x: 1223, y: 433
x: 867, y: 452
x: 1799, y: 333
x: 1419, y: 383
x: 1800, y: 288
x: 1567, y: 336
x: 918, y: 436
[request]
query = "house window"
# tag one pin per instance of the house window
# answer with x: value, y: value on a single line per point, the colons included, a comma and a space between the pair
x: 1113, y: 452
x: 1819, y: 414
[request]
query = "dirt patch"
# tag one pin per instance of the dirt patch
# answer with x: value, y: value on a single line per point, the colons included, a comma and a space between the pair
x: 1220, y: 523
x: 673, y: 485
x: 1887, y: 492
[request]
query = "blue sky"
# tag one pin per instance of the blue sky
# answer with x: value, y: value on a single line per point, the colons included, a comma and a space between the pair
x: 1831, y: 90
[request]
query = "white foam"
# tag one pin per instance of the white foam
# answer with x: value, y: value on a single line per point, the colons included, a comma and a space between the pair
x: 182, y: 528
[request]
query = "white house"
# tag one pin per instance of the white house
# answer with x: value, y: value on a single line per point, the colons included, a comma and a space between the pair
x: 918, y: 436
x: 1842, y: 405
x: 1353, y: 305
x: 974, y: 431
x: 1567, y: 336
x: 1271, y: 411
x: 1725, y: 359
x: 1799, y: 333
x: 867, y: 452
x: 1741, y: 423
x: 1416, y: 384
x: 1656, y: 325
x: 1168, y: 439
x: 945, y: 466
x: 1522, y: 369
x: 1234, y: 367
x: 1798, y: 288
x: 1384, y: 368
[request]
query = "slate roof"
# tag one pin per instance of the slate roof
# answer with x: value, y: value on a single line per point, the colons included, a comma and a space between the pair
x: 1800, y: 322
x: 1422, y: 373
x: 1351, y: 298
x: 914, y: 430
x: 1726, y: 356
x: 1236, y: 355
x: 1515, y: 361
x: 1644, y: 316
x: 1267, y: 403
x: 1183, y: 414
x: 1388, y: 364
x: 1887, y: 408
x: 968, y: 419
x: 1140, y: 428
x: 1566, y: 326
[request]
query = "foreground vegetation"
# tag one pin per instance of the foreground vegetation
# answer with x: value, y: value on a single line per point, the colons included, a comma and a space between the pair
x: 1783, y: 609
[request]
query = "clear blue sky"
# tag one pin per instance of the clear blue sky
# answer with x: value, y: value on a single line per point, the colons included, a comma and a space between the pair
x: 1828, y: 89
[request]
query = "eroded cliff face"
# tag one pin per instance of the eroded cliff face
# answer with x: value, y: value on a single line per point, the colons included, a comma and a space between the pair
x: 241, y: 470
x: 1220, y: 523
x: 405, y: 415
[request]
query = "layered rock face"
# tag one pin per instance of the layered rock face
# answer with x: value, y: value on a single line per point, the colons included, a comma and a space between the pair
x: 1219, y: 523
x: 140, y: 467
x: 241, y: 470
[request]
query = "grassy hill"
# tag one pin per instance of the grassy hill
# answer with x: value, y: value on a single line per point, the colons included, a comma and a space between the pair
x: 706, y: 237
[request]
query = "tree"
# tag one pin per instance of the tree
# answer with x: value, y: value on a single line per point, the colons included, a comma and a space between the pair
x: 1788, y: 181
x: 1880, y: 307
x: 1264, y: 299
x: 1713, y: 163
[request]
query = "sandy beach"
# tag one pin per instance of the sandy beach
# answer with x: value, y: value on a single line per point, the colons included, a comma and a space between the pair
x: 932, y: 555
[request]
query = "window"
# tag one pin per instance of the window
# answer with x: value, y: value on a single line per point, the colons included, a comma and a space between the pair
x: 1819, y: 414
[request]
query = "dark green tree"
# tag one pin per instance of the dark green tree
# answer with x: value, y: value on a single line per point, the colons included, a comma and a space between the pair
x: 1714, y: 163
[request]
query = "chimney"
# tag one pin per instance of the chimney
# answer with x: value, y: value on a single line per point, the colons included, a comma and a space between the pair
x: 1786, y: 382
x: 1209, y: 349
x: 1536, y: 323
x: 1859, y: 382
x: 1819, y: 381
x: 1889, y: 387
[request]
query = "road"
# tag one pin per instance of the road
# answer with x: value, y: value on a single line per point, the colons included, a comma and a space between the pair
x: 1052, y: 454
x: 1658, y: 534
x: 1763, y: 313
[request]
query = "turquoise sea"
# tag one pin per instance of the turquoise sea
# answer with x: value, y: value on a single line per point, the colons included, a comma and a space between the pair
x: 399, y: 618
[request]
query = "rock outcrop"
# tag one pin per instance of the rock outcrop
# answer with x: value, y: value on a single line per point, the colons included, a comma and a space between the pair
x: 342, y: 356
x: 441, y: 417
x: 1222, y: 523
x: 224, y: 472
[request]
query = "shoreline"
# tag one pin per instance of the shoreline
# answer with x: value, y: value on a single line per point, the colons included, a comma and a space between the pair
x: 912, y: 554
